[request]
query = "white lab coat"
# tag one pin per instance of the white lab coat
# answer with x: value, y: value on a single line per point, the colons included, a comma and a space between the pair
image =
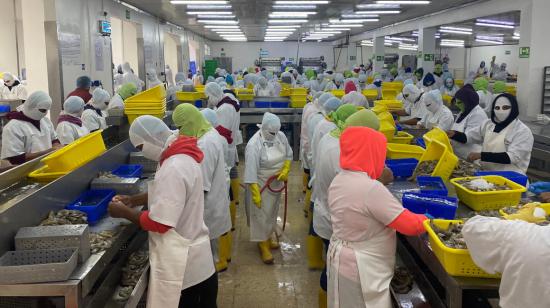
x: 485, y: 100
x: 118, y: 80
x: 516, y: 140
x: 472, y: 121
x: 416, y: 110
x: 133, y: 78
x: 517, y: 249
x: 328, y: 166
x: 229, y: 118
x: 17, y: 92
x: 267, y: 91
x: 68, y: 132
x: 443, y: 119
x: 181, y: 257
x: 93, y: 121
x: 330, y: 86
x: 312, y: 122
x: 321, y: 129
x: 216, y: 198
x: 263, y: 160
x: 116, y: 102
x: 21, y: 137
x: 309, y: 110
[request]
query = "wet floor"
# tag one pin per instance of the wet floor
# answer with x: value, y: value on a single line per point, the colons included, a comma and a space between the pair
x: 288, y: 282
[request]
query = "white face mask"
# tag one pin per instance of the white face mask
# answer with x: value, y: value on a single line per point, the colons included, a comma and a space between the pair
x: 268, y: 136
x: 500, y: 114
x: 432, y: 107
x: 35, y: 114
x: 212, y: 101
x: 152, y: 151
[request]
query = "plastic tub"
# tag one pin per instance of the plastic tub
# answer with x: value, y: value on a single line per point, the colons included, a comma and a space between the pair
x: 298, y: 91
x: 387, y: 129
x: 402, y: 137
x: 132, y: 117
x: 389, y: 94
x: 402, y: 167
x: 378, y: 109
x: 439, y: 135
x: 188, y: 96
x: 447, y: 161
x: 279, y: 104
x: 544, y: 206
x: 456, y: 262
x: 154, y: 94
x: 4, y: 108
x: 259, y: 104
x: 297, y: 103
x: 489, y: 200
x: 198, y: 103
x: 432, y: 185
x: 338, y: 93
x: 390, y: 104
x: 435, y: 205
x: 371, y: 94
x: 398, y: 151
x: 76, y: 153
x: 128, y: 171
x: 510, y: 175
x: 44, y: 175
x: 94, y: 203
x: 420, y: 142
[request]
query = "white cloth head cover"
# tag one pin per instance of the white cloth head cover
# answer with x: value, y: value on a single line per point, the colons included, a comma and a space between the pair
x: 37, y: 100
x: 214, y: 93
x: 271, y: 124
x: 9, y: 79
x: 411, y: 93
x: 501, y: 114
x: 355, y: 98
x: 262, y: 82
x: 152, y: 133
x: 339, y: 78
x: 433, y: 101
x: 126, y: 67
x: 323, y: 98
x: 73, y: 105
x: 362, y: 78
x: 180, y: 77
x: 331, y: 105
x: 211, y: 116
x: 151, y: 74
x: 100, y: 99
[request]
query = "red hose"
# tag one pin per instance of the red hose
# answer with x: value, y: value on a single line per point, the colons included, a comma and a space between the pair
x: 283, y: 189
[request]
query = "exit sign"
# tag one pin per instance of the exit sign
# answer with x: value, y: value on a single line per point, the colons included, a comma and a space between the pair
x: 429, y: 57
x: 524, y: 52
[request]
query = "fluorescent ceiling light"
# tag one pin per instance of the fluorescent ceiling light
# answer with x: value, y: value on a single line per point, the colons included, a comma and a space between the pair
x: 326, y: 32
x: 353, y: 21
x: 455, y: 31
x: 388, y: 44
x: 452, y: 41
x: 224, y: 27
x: 359, y: 16
x: 489, y: 41
x: 385, y: 12
x: 303, y: 2
x: 297, y: 7
x: 378, y: 6
x: 283, y: 27
x: 346, y: 25
x: 277, y: 34
x: 456, y: 28
x: 218, y: 22
x: 490, y: 37
x: 288, y: 16
x: 516, y: 37
x: 207, y: 7
x: 226, y: 33
x: 451, y: 45
x: 337, y: 29
x: 292, y: 13
x: 407, y: 2
x: 286, y: 21
x: 197, y: 2
x: 217, y: 16
x: 209, y: 13
x: 494, y: 25
x: 404, y: 39
x: 278, y: 37
x: 232, y: 35
x: 497, y: 22
x: 280, y: 30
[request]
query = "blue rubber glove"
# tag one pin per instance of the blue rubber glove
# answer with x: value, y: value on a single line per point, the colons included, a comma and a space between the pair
x: 539, y: 187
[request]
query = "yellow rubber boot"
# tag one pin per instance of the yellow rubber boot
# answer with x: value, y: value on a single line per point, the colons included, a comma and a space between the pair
x: 229, y: 246
x: 315, y: 253
x: 307, y: 202
x: 233, y: 212
x: 235, y: 189
x: 221, y: 265
x: 304, y: 182
x: 274, y: 242
x: 265, y: 252
x: 322, y: 298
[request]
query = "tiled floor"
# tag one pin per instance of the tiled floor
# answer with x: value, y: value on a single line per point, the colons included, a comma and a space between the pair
x: 248, y: 283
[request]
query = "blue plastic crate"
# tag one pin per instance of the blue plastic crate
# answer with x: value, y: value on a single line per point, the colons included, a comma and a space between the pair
x: 432, y: 185
x: 4, y: 108
x: 398, y: 127
x: 94, y: 203
x: 435, y: 205
x: 258, y: 104
x: 198, y: 103
x: 420, y: 142
x: 402, y: 167
x: 510, y: 175
x: 279, y: 104
x: 128, y: 171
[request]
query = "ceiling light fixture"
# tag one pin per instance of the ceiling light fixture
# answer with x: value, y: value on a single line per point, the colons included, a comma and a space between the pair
x: 216, y: 16
x: 207, y: 7
x: 403, y: 2
x: 283, y: 27
x: 218, y: 22
x: 221, y: 27
x: 404, y: 39
x: 353, y: 21
x: 337, y: 29
x: 278, y: 37
x: 489, y: 41
x: 345, y: 25
x: 286, y: 21
x: 223, y: 32
x: 359, y: 16
x: 297, y: 7
x: 293, y: 13
x: 197, y: 2
x: 498, y: 22
x: 490, y: 37
x: 456, y: 28
x: 377, y: 6
x: 303, y: 2
x: 385, y: 12
x: 209, y: 13
x: 280, y: 30
x: 494, y: 25
x: 455, y: 31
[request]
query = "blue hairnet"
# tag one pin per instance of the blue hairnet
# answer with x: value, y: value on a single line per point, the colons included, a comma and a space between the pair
x: 73, y: 105
x: 331, y: 105
x: 408, y: 81
x: 428, y: 80
x: 378, y: 82
x: 211, y: 116
x: 229, y: 80
x: 83, y: 82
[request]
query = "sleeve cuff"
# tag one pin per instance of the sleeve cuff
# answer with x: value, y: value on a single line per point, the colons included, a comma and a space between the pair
x: 499, y: 158
x: 460, y: 137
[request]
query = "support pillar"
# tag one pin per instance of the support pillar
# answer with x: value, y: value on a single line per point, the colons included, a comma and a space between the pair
x: 379, y: 53
x: 426, y: 45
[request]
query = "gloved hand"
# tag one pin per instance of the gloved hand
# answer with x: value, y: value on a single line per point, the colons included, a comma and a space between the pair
x: 539, y: 187
x: 283, y: 174
x: 526, y: 213
x: 256, y: 195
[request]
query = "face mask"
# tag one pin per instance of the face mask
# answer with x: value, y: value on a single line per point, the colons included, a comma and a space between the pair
x: 460, y: 105
x: 35, y: 114
x: 9, y: 83
x: 501, y: 114
x: 212, y: 101
x: 151, y: 151
x: 449, y: 84
x: 268, y: 136
x: 432, y: 107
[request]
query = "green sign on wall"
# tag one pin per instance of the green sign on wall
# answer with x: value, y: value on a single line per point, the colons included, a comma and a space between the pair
x: 379, y: 58
x: 429, y: 57
x: 127, y: 14
x: 524, y: 52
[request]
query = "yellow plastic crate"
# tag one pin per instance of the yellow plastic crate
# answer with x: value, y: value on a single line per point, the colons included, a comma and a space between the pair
x: 489, y: 200
x: 387, y: 129
x: 378, y: 109
x: 76, y: 153
x: 447, y: 99
x: 188, y: 96
x: 439, y: 135
x: 245, y: 97
x: 391, y: 104
x: 544, y: 206
x: 338, y: 93
x: 510, y: 90
x: 44, y: 175
x: 298, y: 97
x: 386, y: 117
x: 393, y: 85
x: 398, y: 151
x: 456, y: 262
x: 285, y: 92
x: 154, y: 94
x: 389, y: 94
x: 371, y: 94
x: 298, y: 103
x: 299, y: 91
x: 447, y: 160
x: 459, y: 83
x: 132, y: 117
x: 370, y: 79
x: 144, y: 105
x: 250, y: 86
x: 402, y: 138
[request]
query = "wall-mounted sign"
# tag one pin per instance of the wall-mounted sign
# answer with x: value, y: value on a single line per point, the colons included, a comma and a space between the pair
x: 104, y: 27
x: 524, y: 52
x: 264, y: 53
x: 429, y: 57
x: 379, y: 58
x: 507, y: 52
x: 352, y: 58
x: 127, y: 14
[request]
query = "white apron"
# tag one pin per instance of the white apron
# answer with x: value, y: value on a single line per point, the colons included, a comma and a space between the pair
x: 262, y: 221
x: 463, y: 150
x: 168, y: 254
x: 495, y: 143
x: 375, y: 262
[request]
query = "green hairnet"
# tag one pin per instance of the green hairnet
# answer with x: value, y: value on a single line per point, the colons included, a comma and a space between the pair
x: 363, y: 117
x: 393, y: 71
x: 190, y: 121
x: 481, y: 84
x: 127, y: 90
x: 310, y: 74
x: 499, y: 87
x: 342, y: 113
x: 347, y: 74
x: 438, y: 68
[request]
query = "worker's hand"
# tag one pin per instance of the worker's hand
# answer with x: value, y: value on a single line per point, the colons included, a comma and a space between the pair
x: 124, y: 199
x: 256, y: 195
x: 283, y: 174
x: 420, y: 126
x: 386, y: 177
x: 119, y: 210
x: 451, y: 133
x: 474, y: 156
x: 526, y: 213
x: 545, y: 197
x: 56, y: 146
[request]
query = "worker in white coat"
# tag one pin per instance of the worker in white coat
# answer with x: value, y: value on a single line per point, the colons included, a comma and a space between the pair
x: 169, y: 76
x: 125, y: 91
x: 69, y: 125
x: 267, y: 164
x: 93, y: 116
x: 29, y: 133
x: 152, y: 78
x: 13, y: 89
x: 355, y: 98
x: 182, y: 271
x: 438, y: 114
x: 263, y: 88
x: 118, y: 77
x: 191, y: 123
x: 130, y: 76
x: 449, y: 87
x: 506, y: 141
x: 323, y: 126
x: 415, y: 108
x: 515, y: 249
x: 471, y: 117
x: 312, y: 123
x: 364, y: 216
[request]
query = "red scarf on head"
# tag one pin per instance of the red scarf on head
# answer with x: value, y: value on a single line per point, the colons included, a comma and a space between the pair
x: 228, y: 100
x: 226, y: 133
x: 363, y: 149
x: 183, y: 145
x: 70, y: 119
x: 19, y: 115
x: 350, y: 86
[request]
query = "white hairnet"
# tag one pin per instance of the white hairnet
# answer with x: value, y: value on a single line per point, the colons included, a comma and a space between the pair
x: 411, y: 92
x: 73, y: 105
x: 262, y: 82
x: 213, y: 90
x: 320, y: 77
x: 433, y: 98
x: 271, y: 123
x: 211, y: 116
x: 324, y: 97
x: 149, y: 129
x: 180, y: 77
x: 100, y: 98
x: 126, y: 68
x: 8, y: 77
x: 362, y: 78
x: 220, y: 79
x: 355, y: 98
x: 331, y: 105
x: 339, y: 77
x: 38, y: 100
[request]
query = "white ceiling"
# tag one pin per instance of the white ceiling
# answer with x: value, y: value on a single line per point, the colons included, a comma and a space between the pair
x: 253, y: 15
